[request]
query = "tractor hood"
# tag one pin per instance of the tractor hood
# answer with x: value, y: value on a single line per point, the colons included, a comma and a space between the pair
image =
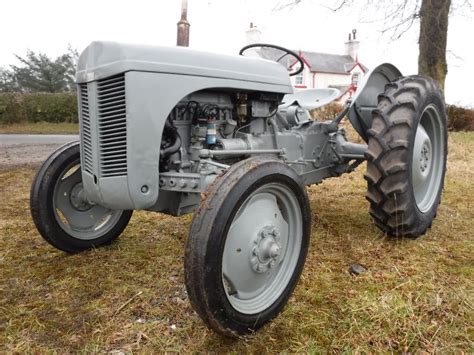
x: 103, y: 59
x: 366, y: 96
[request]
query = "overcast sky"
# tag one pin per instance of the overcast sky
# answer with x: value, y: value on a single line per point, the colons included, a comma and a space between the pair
x: 219, y: 26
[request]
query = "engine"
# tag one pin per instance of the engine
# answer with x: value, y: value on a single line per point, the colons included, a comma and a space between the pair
x: 218, y: 122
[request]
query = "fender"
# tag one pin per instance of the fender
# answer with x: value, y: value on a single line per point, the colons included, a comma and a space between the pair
x: 365, y: 98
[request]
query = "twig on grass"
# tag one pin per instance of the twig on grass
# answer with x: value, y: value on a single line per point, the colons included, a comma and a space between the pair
x: 126, y: 303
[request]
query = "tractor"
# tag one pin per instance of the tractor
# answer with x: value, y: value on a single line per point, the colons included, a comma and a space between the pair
x: 176, y: 131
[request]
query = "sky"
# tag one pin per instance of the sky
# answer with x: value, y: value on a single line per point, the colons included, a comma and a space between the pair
x: 49, y: 26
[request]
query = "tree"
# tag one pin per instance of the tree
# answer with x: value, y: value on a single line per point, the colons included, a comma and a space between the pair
x: 398, y: 16
x: 40, y: 73
x: 433, y: 37
x: 7, y: 81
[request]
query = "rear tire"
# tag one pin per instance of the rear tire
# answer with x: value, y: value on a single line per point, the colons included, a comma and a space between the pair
x: 406, y: 156
x: 62, y: 216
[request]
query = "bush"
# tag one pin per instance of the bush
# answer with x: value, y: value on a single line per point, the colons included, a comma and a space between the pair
x: 11, y: 108
x: 60, y: 107
x: 460, y: 118
x: 328, y: 112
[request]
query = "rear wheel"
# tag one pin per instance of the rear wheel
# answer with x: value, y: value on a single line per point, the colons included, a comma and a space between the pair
x: 60, y: 210
x: 247, y: 246
x: 406, y: 156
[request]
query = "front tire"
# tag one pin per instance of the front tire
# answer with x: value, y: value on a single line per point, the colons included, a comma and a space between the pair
x: 406, y: 156
x: 60, y: 211
x: 247, y: 246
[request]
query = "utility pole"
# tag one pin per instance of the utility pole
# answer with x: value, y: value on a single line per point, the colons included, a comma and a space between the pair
x: 183, y: 26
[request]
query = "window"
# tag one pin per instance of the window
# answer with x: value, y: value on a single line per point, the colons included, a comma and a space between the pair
x: 299, y: 79
x: 355, y: 79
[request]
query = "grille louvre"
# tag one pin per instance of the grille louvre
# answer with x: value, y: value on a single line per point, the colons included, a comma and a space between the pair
x: 86, y: 129
x: 112, y: 126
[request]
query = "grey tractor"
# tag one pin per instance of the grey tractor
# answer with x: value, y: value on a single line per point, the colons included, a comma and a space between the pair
x: 175, y: 131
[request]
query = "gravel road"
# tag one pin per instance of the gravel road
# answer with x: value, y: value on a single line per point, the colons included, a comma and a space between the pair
x: 29, y: 149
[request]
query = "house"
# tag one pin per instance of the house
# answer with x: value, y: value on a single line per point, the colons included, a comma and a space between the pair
x: 322, y: 70
x: 340, y: 71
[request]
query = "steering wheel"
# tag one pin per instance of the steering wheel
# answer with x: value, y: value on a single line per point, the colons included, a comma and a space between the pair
x: 274, y: 55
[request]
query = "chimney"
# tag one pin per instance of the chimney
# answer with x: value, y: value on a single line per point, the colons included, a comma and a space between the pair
x: 253, y: 34
x: 352, y: 45
x: 183, y: 26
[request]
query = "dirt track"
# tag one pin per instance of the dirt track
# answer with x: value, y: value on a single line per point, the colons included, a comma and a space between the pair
x: 28, y: 150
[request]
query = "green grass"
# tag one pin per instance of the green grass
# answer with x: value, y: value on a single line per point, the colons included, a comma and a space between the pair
x: 40, y: 128
x: 416, y: 295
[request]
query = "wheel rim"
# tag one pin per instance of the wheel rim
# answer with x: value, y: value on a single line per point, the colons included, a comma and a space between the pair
x: 74, y: 213
x: 262, y: 248
x: 428, y: 158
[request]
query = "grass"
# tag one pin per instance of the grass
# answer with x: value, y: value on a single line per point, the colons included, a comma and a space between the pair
x: 416, y: 295
x: 39, y: 128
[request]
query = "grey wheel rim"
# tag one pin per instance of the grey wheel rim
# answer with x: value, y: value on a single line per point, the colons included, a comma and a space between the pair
x: 428, y: 158
x: 74, y: 213
x: 262, y: 248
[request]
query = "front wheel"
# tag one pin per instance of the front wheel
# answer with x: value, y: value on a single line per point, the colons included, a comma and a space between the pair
x: 406, y: 156
x: 60, y: 210
x: 247, y: 246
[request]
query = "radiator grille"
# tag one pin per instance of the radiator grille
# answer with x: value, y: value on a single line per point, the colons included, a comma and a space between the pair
x: 112, y: 126
x: 86, y: 129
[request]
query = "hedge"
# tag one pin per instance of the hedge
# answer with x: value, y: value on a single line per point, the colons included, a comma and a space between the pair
x: 460, y: 118
x: 60, y: 107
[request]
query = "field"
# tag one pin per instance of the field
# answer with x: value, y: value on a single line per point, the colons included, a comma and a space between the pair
x: 416, y: 295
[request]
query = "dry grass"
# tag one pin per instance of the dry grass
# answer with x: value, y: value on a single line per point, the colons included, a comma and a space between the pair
x: 40, y: 128
x: 415, y: 295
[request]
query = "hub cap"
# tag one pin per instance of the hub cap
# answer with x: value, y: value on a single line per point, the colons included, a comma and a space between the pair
x: 262, y: 248
x: 267, y: 250
x: 74, y: 213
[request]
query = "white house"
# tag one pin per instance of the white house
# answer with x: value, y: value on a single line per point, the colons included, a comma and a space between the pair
x: 340, y: 71
x: 323, y: 70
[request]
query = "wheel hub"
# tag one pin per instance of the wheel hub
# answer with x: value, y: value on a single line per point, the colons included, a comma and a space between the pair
x: 78, y: 198
x: 425, y: 158
x: 422, y: 157
x: 267, y: 249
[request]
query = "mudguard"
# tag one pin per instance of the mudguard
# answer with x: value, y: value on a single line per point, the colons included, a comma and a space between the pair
x: 365, y: 98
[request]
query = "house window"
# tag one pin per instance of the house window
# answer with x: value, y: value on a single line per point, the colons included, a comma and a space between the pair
x: 355, y: 79
x: 299, y: 79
